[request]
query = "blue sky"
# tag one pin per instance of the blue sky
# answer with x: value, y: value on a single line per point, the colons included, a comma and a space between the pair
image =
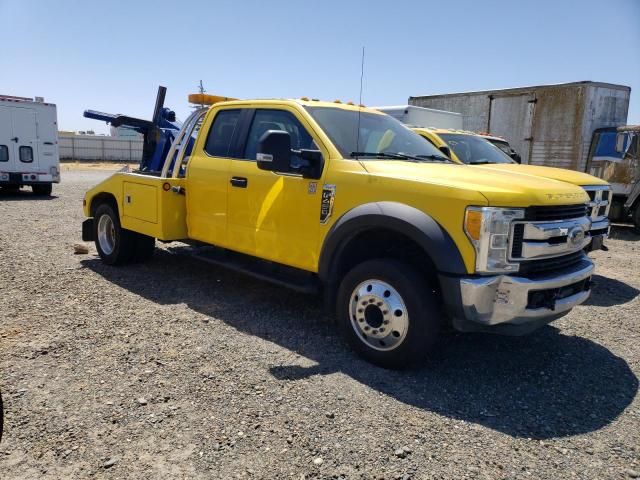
x: 112, y: 55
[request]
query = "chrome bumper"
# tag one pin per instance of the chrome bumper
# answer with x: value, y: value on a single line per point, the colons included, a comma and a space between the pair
x: 504, y: 299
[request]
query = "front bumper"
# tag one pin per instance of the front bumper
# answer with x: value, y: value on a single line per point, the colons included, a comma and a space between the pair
x: 515, y: 305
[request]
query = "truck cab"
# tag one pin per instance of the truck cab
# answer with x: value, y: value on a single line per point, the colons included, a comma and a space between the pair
x: 28, y: 144
x: 614, y: 156
x: 346, y: 201
x: 480, y: 151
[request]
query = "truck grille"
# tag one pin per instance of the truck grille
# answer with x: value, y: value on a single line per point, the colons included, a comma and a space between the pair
x: 551, y: 213
x: 518, y: 238
x: 540, y: 215
x: 599, y: 201
x: 533, y: 268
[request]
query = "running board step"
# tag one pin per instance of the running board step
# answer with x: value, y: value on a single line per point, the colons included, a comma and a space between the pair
x: 289, y: 277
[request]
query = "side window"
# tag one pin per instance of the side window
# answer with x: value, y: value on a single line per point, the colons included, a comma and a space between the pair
x: 265, y: 120
x: 220, y: 135
x: 26, y: 154
x: 4, y: 153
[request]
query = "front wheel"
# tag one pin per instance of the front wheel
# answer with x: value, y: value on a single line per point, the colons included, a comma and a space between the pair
x: 388, y: 313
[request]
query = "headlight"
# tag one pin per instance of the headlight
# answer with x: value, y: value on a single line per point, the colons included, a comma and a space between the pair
x: 489, y: 228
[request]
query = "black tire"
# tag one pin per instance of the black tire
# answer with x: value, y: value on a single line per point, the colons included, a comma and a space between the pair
x: 43, y: 189
x: 128, y: 246
x: 11, y: 189
x: 422, y: 324
x: 123, y: 242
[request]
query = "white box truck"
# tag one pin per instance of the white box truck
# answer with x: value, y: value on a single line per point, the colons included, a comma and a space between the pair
x: 28, y: 144
x: 423, y: 117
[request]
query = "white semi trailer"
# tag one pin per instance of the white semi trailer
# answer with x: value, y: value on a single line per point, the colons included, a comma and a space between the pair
x: 580, y: 126
x: 28, y: 144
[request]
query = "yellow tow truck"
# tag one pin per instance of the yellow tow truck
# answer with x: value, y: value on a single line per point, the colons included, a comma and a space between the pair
x: 480, y: 151
x: 341, y: 199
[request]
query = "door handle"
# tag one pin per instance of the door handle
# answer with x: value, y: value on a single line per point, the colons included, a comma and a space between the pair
x: 15, y: 139
x: 240, y: 182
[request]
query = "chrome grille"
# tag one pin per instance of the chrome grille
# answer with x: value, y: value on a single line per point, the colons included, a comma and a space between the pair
x: 599, y: 201
x: 550, y: 232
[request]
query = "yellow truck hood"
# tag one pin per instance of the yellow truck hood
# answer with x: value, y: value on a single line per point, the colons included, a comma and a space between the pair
x: 562, y: 174
x: 499, y: 187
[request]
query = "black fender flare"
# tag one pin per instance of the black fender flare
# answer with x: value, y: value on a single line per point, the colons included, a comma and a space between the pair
x: 404, y: 219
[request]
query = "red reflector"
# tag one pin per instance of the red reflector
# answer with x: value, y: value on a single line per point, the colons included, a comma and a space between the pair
x: 166, y: 186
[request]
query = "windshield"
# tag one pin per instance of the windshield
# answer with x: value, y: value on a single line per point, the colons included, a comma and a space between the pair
x: 379, y: 135
x: 474, y: 150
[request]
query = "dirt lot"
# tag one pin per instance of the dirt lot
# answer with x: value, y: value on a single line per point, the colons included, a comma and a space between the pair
x: 177, y: 369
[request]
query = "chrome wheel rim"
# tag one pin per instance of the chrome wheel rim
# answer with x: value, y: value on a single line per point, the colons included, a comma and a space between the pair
x: 106, y: 234
x: 378, y: 315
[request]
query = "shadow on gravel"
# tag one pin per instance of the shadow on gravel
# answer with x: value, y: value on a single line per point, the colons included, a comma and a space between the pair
x: 21, y: 195
x: 541, y: 386
x: 608, y: 292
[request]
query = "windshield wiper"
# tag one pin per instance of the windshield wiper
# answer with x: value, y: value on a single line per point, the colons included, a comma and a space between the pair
x: 399, y: 156
x: 440, y: 158
x: 481, y: 162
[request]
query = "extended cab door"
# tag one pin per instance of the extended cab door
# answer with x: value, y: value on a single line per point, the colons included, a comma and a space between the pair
x: 271, y: 215
x: 208, y: 176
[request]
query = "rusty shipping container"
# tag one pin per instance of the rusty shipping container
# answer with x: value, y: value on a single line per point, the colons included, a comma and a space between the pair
x: 548, y: 124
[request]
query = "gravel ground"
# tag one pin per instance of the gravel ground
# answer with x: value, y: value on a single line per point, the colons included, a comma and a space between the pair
x: 177, y: 369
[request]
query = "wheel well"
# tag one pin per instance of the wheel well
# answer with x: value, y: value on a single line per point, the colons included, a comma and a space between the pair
x: 103, y: 198
x: 382, y: 243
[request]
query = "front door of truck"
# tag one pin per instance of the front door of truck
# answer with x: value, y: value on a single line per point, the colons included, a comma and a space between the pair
x: 274, y: 215
x: 208, y: 178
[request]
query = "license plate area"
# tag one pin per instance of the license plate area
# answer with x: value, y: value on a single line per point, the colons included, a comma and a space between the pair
x: 547, y: 298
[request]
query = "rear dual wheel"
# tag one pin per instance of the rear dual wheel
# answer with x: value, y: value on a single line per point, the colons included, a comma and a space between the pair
x: 388, y: 313
x: 43, y: 189
x: 117, y: 245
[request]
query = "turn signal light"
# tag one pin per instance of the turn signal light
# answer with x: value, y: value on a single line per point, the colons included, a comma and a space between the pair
x: 473, y: 224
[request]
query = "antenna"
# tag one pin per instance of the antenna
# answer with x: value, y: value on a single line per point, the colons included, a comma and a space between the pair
x: 202, y: 91
x: 360, y: 102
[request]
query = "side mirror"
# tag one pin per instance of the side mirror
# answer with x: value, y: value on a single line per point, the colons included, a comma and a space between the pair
x: 516, y: 156
x: 446, y: 150
x: 274, y: 151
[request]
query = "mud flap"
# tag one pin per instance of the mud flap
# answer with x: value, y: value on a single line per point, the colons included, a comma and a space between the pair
x: 87, y: 230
